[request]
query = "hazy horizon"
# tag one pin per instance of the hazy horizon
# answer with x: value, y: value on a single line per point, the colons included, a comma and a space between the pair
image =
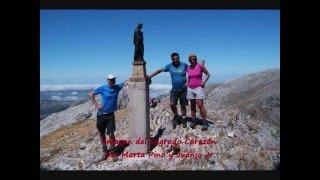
x: 162, y: 79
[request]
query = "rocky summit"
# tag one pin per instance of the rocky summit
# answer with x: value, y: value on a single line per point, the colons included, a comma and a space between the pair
x: 244, y: 132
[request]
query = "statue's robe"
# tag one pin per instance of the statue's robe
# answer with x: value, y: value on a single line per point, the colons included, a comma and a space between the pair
x: 139, y: 47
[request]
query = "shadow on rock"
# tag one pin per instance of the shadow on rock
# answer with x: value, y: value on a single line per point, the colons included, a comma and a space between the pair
x: 120, y: 148
x: 197, y: 121
x: 154, y: 140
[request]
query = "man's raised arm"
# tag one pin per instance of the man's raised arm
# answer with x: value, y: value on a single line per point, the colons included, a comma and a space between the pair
x: 156, y: 73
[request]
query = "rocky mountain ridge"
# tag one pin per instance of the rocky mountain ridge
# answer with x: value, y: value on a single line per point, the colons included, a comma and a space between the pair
x: 245, y: 125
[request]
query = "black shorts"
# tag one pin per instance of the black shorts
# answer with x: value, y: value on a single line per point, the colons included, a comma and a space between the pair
x: 181, y: 95
x: 106, y: 122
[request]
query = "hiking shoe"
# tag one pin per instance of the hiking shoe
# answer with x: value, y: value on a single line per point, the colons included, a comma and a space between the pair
x: 175, y: 121
x: 205, y: 125
x: 193, y: 123
x: 184, y: 122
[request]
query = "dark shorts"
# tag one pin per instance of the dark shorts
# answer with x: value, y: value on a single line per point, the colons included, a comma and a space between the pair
x: 106, y: 122
x: 179, y: 95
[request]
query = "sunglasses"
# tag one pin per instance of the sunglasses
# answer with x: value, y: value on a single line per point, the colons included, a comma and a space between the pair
x: 192, y: 59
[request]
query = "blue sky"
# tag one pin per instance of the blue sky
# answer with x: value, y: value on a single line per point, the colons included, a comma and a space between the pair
x: 82, y: 46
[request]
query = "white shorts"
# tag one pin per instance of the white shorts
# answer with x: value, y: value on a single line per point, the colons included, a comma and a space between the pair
x: 196, y: 93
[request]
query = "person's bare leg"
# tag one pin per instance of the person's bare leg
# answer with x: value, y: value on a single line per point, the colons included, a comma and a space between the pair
x: 184, y: 114
x: 202, y: 109
x: 174, y: 109
x: 103, y: 142
x: 193, y: 108
x: 103, y: 139
x: 104, y: 146
x: 175, y: 114
x: 193, y: 113
x: 112, y: 140
x: 205, y: 124
x: 183, y: 111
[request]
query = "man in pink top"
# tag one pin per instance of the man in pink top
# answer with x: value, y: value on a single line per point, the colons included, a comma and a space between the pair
x: 195, y: 91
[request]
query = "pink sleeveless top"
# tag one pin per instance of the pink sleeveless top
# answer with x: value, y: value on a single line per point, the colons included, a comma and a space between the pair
x: 195, y: 76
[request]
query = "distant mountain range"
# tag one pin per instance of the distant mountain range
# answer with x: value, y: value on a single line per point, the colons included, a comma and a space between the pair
x: 52, y: 101
x: 56, y: 98
x: 47, y: 107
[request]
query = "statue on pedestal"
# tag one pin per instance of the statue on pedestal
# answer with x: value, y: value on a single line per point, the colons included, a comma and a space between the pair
x: 138, y: 43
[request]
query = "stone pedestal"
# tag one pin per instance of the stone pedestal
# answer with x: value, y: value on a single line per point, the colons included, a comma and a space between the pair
x: 139, y: 119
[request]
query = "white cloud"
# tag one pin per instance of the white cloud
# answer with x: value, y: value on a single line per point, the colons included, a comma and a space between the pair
x: 74, y: 93
x: 71, y: 98
x: 60, y: 87
x: 157, y: 90
x: 57, y: 98
x: 160, y: 86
